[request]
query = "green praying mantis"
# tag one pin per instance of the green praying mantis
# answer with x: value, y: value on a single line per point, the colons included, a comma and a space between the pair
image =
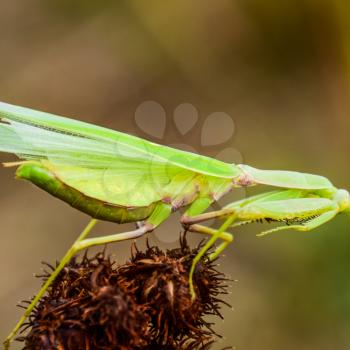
x: 121, y: 178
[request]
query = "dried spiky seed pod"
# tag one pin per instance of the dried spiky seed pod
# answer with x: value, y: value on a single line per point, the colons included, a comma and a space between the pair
x: 142, y: 305
x: 160, y: 281
x: 86, y: 309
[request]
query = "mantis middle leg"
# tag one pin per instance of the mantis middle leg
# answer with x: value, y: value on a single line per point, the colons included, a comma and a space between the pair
x: 226, y: 237
x: 215, y: 236
x: 160, y: 214
x: 193, y: 215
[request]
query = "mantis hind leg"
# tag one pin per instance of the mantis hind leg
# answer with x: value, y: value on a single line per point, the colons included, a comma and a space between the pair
x: 49, y: 281
x: 307, y: 226
x: 160, y: 214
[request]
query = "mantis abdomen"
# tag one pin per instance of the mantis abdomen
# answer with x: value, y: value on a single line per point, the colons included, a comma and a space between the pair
x: 42, y: 177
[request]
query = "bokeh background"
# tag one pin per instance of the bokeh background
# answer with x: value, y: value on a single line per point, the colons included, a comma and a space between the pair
x: 279, y: 69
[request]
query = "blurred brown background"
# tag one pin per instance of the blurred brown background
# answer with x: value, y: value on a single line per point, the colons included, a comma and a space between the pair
x: 280, y: 70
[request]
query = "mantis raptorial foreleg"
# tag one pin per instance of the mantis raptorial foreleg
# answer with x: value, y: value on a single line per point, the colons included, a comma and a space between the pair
x: 160, y: 214
x: 307, y: 226
x: 195, y: 217
x: 296, y: 209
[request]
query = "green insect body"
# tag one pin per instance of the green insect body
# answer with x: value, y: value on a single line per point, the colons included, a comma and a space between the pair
x: 121, y: 178
x: 44, y: 176
x: 45, y: 179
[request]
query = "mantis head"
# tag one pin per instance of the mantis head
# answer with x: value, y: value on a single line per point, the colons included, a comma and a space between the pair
x: 343, y: 199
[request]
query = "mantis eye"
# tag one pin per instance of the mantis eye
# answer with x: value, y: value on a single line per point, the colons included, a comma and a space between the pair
x: 343, y: 199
